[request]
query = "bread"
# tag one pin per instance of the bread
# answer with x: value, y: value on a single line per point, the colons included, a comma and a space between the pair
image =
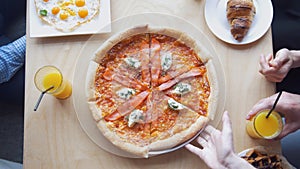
x: 240, y: 14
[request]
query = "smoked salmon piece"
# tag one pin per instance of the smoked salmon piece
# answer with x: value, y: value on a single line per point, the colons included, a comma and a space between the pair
x: 192, y: 73
x: 128, y: 106
x: 123, y: 80
x: 155, y: 61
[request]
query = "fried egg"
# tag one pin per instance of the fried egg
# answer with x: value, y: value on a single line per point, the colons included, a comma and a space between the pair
x: 66, y: 15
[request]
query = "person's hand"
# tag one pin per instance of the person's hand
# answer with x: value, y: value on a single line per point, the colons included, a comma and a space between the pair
x: 217, y: 151
x: 288, y: 105
x: 276, y: 69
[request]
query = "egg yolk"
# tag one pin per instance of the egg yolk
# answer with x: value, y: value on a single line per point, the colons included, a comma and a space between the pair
x: 83, y: 13
x: 55, y: 10
x: 46, y: 0
x: 80, y: 3
x: 63, y: 16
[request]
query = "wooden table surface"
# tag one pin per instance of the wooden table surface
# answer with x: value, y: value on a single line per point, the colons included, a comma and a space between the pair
x: 53, y: 136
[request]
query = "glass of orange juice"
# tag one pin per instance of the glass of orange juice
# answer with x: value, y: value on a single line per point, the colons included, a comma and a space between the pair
x: 267, y: 128
x: 51, y: 77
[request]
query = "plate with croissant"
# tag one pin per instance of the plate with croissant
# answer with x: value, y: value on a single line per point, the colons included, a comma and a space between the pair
x: 238, y: 21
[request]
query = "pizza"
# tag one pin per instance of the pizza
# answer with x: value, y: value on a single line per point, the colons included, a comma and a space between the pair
x: 151, y: 89
x: 66, y: 15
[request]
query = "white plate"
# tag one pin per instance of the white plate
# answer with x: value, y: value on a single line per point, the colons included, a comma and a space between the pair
x: 215, y: 16
x: 100, y: 24
x: 153, y: 20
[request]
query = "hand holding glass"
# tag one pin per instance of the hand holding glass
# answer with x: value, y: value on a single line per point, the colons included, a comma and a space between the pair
x: 262, y: 127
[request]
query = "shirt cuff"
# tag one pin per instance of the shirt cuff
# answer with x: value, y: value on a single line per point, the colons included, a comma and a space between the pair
x: 20, y: 45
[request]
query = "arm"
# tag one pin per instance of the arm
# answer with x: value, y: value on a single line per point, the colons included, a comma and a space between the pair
x: 12, y: 57
x: 288, y: 105
x: 217, y: 150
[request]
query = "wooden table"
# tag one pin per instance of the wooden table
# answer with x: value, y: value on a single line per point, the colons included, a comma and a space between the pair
x: 53, y: 136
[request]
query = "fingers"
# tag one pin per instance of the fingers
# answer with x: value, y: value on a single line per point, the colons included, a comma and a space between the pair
x: 265, y: 68
x: 265, y: 103
x: 277, y: 74
x: 287, y: 129
x: 206, y: 135
x: 210, y: 129
x: 263, y: 62
x: 282, y: 56
x: 256, y: 108
x: 274, y: 78
x: 202, y: 141
x: 271, y: 73
x: 282, y: 134
x: 274, y: 69
x: 227, y: 129
x: 279, y: 61
x: 194, y: 150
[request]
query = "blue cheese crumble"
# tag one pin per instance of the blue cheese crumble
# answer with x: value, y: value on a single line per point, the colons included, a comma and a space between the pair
x: 125, y: 93
x: 136, y: 116
x: 175, y: 105
x: 182, y: 88
x: 132, y: 62
x: 166, y: 61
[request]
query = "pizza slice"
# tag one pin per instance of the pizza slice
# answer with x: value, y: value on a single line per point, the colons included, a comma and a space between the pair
x: 193, y: 89
x: 128, y: 132
x: 175, y: 57
x: 128, y: 127
x: 155, y: 61
x: 132, y: 56
x: 171, y: 122
x: 107, y: 96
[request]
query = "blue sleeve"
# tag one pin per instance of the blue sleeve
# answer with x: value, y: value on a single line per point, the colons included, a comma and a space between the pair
x: 12, y: 57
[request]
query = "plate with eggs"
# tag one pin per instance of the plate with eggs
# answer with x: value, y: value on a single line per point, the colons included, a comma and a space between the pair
x: 69, y: 17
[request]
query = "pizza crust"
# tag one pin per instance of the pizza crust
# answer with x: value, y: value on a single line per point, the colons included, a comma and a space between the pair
x: 165, y: 31
x: 90, y: 80
x: 202, y: 53
x: 112, y: 41
x: 186, y: 39
x: 180, y: 137
x: 214, y: 90
x: 96, y: 112
x: 116, y: 140
x: 91, y: 91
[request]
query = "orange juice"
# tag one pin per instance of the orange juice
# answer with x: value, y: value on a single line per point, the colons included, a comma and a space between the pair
x: 52, y: 79
x: 262, y: 127
x: 49, y: 76
x: 64, y: 91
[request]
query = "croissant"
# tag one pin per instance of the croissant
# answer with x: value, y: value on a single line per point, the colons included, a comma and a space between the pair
x: 240, y: 14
